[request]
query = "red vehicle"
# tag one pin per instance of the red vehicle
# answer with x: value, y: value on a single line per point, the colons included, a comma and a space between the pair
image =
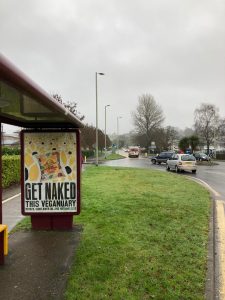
x: 133, y: 152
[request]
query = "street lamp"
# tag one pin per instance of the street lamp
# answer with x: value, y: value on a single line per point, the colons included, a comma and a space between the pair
x: 105, y: 127
x: 119, y: 117
x: 96, y: 144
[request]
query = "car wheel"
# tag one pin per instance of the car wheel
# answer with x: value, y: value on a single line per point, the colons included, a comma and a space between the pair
x: 167, y: 167
x: 159, y: 162
x: 200, y: 159
x: 154, y: 161
x: 176, y: 169
x: 193, y: 171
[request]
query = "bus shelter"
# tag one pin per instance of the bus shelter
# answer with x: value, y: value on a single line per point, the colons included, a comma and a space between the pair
x: 50, y: 152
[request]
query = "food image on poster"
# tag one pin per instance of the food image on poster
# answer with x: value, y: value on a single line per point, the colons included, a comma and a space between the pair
x: 50, y: 172
x: 50, y: 166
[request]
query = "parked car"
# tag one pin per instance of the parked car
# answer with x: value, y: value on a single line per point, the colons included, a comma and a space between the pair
x: 162, y: 157
x: 133, y: 152
x: 201, y: 156
x: 182, y: 162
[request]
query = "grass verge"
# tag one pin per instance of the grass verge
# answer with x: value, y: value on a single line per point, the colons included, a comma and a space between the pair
x: 114, y: 156
x: 24, y: 224
x: 145, y: 236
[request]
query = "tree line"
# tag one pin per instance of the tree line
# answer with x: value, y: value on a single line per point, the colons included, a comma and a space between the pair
x: 88, y: 132
x: 149, y: 131
x: 148, y: 122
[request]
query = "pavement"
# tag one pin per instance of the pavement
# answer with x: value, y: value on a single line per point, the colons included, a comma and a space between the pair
x: 39, y: 262
x: 11, y: 208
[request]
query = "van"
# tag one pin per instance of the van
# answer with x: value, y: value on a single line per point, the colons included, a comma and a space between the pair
x: 133, y: 152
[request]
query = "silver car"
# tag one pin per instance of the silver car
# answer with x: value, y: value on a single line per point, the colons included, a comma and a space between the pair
x: 182, y: 162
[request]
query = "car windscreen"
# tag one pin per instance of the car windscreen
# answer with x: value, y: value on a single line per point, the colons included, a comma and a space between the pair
x: 187, y: 158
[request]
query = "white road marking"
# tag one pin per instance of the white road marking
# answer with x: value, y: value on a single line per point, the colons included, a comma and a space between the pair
x: 11, y: 198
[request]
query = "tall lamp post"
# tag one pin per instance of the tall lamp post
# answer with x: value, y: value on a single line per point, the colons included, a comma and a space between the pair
x: 119, y: 117
x: 105, y: 128
x: 96, y: 144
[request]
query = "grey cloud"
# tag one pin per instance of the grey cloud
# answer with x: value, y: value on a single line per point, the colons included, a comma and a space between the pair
x: 171, y: 49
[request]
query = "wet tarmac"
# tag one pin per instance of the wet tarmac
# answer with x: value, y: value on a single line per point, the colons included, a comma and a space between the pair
x: 38, y: 264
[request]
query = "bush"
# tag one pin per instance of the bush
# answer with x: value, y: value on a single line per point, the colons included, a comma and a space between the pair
x: 88, y: 153
x: 10, y: 151
x: 10, y: 170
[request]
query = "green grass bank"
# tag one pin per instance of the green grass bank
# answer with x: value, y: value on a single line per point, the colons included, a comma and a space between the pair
x: 144, y: 236
x: 114, y: 156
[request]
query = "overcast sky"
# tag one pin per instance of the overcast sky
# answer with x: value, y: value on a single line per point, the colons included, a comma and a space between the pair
x: 172, y: 49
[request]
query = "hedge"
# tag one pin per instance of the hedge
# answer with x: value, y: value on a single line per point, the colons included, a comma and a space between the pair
x: 88, y: 153
x: 10, y: 170
x: 10, y: 150
x: 220, y: 155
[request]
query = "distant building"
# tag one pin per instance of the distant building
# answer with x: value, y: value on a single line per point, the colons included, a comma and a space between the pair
x: 220, y: 144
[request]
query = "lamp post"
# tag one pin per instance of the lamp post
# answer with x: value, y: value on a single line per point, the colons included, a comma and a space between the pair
x: 119, y: 117
x: 105, y: 128
x: 96, y: 144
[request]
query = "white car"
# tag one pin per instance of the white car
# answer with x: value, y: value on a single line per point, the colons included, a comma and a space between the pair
x: 182, y: 162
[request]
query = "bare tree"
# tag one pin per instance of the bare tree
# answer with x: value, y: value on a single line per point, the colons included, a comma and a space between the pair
x: 70, y: 105
x: 171, y: 135
x: 187, y: 132
x: 207, y: 123
x: 88, y: 138
x: 222, y: 127
x: 147, y: 117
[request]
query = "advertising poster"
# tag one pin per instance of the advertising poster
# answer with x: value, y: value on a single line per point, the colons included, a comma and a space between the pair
x: 50, y: 172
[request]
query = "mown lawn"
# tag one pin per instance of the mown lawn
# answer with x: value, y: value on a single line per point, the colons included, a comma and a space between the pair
x: 144, y: 236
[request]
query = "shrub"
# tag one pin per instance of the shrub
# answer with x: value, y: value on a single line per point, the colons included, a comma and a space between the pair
x: 10, y: 151
x: 88, y: 153
x: 10, y: 170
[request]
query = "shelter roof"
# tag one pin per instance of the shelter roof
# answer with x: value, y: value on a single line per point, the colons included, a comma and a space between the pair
x: 23, y: 103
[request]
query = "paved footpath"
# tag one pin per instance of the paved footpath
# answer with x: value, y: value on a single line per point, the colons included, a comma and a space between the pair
x: 11, y: 208
x: 38, y: 262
